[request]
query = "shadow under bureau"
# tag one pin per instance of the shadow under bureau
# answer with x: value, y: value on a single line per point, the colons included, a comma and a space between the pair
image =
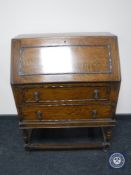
x: 65, y: 81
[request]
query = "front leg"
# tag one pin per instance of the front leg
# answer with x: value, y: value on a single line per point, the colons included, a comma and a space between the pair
x: 108, y: 133
x: 27, y: 135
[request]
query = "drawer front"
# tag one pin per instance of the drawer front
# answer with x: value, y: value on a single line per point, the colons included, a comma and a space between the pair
x: 65, y: 94
x: 71, y: 112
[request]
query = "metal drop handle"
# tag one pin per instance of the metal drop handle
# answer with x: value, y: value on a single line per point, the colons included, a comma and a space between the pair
x: 96, y: 93
x: 94, y: 113
x: 39, y: 115
x: 37, y: 96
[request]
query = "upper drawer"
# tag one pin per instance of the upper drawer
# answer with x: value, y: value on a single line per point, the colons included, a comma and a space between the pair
x: 65, y: 94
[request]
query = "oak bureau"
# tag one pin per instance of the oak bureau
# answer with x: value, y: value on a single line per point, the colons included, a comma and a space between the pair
x: 65, y: 81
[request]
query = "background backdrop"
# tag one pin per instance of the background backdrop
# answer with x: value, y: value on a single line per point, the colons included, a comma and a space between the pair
x: 54, y: 16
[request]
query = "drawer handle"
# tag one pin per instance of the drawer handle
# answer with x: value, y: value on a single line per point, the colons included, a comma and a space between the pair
x: 37, y: 96
x: 39, y: 115
x: 96, y: 93
x: 94, y: 113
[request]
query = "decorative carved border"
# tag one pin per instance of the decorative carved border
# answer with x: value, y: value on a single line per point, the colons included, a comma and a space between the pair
x: 109, y: 71
x: 70, y: 100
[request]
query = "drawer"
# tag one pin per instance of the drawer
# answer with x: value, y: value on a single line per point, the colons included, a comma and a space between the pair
x: 68, y: 112
x: 65, y: 94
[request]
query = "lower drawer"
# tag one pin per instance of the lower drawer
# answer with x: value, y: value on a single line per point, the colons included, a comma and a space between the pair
x: 68, y: 112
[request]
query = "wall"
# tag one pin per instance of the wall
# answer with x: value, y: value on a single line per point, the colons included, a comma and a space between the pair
x: 52, y: 16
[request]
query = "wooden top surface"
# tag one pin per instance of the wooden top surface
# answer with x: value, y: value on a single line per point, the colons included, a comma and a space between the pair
x: 77, y: 34
x: 74, y: 57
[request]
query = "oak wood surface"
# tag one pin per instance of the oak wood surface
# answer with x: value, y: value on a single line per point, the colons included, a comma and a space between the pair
x: 66, y: 112
x: 66, y: 80
x: 81, y: 59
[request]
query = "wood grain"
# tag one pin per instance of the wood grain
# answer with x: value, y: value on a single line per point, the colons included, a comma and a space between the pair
x: 64, y: 81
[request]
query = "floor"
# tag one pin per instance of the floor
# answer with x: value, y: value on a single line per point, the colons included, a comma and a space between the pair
x: 14, y: 160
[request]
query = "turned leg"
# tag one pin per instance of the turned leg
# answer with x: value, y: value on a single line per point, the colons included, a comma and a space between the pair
x: 27, y: 137
x: 108, y: 133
